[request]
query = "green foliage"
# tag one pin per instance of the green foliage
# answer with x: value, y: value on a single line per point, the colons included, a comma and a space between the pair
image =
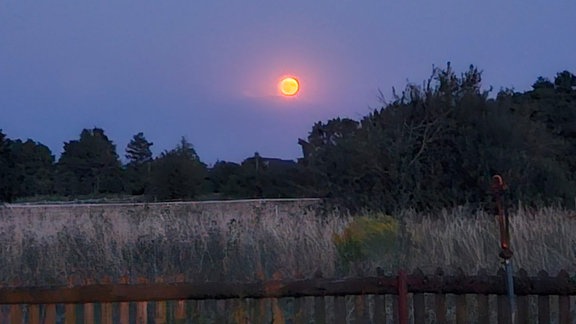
x: 6, y: 165
x: 89, y: 165
x: 437, y: 145
x: 366, y: 238
x: 258, y: 177
x: 137, y: 173
x: 177, y: 174
x: 33, y: 168
x: 138, y: 150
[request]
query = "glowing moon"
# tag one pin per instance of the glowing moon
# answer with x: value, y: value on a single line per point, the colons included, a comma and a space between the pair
x: 289, y: 86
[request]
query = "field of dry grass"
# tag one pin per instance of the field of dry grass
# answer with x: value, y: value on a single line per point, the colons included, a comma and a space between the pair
x: 255, y: 240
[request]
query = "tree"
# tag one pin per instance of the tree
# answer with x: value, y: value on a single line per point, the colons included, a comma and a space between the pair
x: 33, y: 168
x: 139, y: 158
x: 7, y: 191
x: 138, y: 150
x: 178, y: 173
x: 224, y: 179
x: 89, y: 165
x: 437, y: 145
x: 565, y: 81
x: 542, y: 83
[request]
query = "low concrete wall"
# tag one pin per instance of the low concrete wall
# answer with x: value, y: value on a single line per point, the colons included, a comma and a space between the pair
x: 220, y: 240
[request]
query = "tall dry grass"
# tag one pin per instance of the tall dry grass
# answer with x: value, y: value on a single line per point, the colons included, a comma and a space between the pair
x: 245, y: 241
x: 232, y: 241
x: 543, y: 239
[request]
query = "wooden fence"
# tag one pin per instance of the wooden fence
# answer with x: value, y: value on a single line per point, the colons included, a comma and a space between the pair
x: 415, y: 298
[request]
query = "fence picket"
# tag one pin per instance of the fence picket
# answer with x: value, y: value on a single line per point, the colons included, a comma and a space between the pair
x: 34, y: 314
x: 160, y: 317
x: 543, y: 309
x: 106, y: 308
x: 543, y: 303
x: 124, y: 306
x: 523, y: 309
x: 419, y: 308
x: 379, y: 309
x: 89, y: 313
x: 461, y: 309
x: 564, y: 301
x: 360, y: 300
x: 16, y: 315
x: 299, y: 310
x: 340, y: 310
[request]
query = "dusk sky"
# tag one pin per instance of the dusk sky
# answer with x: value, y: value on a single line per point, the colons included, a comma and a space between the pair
x: 208, y: 69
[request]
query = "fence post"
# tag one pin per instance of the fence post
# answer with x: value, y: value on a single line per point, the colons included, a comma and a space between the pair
x: 402, y: 297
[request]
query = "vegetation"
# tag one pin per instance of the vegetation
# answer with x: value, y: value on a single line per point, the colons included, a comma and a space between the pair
x: 433, y: 146
x: 244, y: 241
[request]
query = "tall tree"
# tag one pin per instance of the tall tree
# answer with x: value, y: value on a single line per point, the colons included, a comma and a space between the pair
x: 139, y: 158
x: 178, y: 173
x: 89, y: 165
x: 7, y: 190
x: 33, y: 168
x: 138, y: 150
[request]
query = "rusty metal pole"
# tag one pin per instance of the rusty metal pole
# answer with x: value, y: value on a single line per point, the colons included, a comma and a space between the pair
x: 498, y: 188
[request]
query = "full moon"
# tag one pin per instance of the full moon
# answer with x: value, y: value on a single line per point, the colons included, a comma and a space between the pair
x: 289, y: 86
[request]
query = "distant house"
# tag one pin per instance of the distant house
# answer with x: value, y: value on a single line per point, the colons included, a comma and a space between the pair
x: 264, y: 162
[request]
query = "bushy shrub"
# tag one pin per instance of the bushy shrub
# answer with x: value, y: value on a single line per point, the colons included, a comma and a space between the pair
x: 366, y: 238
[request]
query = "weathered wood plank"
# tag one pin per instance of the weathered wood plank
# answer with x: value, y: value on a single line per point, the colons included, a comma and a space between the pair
x: 89, y: 313
x: 34, y: 314
x: 379, y: 309
x: 16, y: 315
x: 461, y: 309
x: 320, y: 310
x: 402, y: 298
x: 69, y: 314
x: 503, y: 310
x: 564, y: 310
x: 419, y: 308
x: 50, y: 313
x: 440, y: 308
x: 106, y: 308
x: 523, y: 310
x: 340, y: 312
x: 543, y: 309
x: 483, y: 309
x: 92, y: 293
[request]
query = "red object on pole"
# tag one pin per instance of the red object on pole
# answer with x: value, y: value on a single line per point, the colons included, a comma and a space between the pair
x: 402, y: 297
x: 498, y: 188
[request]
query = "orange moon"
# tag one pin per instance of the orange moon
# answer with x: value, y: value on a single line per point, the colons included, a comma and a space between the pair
x: 289, y: 86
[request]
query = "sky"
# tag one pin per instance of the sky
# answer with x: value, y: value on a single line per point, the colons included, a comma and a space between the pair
x: 208, y: 70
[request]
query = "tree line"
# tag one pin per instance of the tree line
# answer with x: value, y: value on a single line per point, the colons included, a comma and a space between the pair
x: 434, y: 145
x: 90, y: 167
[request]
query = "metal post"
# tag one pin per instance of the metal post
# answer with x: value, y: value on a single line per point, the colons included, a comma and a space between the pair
x: 498, y: 188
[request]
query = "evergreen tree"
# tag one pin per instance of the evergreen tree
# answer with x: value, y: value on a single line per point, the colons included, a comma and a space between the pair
x: 178, y: 174
x: 33, y: 168
x: 89, y: 165
x: 138, y: 169
x: 138, y: 150
x: 7, y: 185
